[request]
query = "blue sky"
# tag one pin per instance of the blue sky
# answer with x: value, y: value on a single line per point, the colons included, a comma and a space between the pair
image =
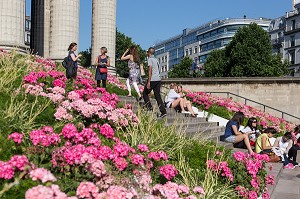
x: 154, y: 20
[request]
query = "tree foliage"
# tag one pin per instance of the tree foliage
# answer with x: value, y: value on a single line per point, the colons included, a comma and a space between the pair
x: 182, y: 70
x: 249, y: 54
x: 86, y: 58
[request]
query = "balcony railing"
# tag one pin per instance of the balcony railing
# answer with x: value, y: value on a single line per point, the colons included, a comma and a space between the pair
x: 292, y: 28
x: 277, y: 41
x: 292, y: 13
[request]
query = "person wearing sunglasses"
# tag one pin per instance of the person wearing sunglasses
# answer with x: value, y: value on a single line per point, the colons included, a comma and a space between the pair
x: 251, y: 129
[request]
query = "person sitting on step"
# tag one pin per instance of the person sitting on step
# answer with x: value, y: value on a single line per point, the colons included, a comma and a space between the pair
x: 263, y: 144
x: 283, y: 145
x: 174, y: 100
x: 232, y: 133
x: 251, y: 128
x: 186, y: 102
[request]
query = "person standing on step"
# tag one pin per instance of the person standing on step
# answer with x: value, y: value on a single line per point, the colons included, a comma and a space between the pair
x: 102, y: 62
x: 134, y: 70
x: 71, y: 71
x: 153, y: 83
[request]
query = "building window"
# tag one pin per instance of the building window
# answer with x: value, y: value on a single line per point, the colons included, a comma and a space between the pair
x: 166, y: 58
x: 292, y: 41
x: 158, y: 60
x: 293, y: 24
x: 196, y: 50
x: 191, y: 51
x: 292, y: 57
x: 186, y: 52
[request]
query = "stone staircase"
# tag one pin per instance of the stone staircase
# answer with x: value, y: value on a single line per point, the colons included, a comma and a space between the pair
x: 202, y: 128
x: 192, y: 126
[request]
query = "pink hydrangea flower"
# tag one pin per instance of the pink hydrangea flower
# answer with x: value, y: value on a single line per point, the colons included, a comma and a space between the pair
x: 168, y: 171
x: 137, y: 159
x: 16, y: 137
x: 42, y: 174
x: 87, y: 190
x: 199, y: 190
x: 143, y: 148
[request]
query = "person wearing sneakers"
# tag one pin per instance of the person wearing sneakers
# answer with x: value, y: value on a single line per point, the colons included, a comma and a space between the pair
x: 283, y: 145
x: 153, y: 83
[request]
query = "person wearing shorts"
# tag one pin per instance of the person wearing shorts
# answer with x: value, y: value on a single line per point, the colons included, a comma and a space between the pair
x: 232, y: 135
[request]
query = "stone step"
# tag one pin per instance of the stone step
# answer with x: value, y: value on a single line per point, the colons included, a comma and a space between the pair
x: 206, y: 132
x: 192, y: 124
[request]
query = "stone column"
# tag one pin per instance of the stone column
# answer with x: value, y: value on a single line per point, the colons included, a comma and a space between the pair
x: 40, y: 27
x: 104, y: 28
x: 12, y: 24
x: 64, y: 27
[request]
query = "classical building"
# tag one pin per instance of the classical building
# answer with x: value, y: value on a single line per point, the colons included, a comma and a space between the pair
x: 276, y: 32
x: 27, y: 31
x: 12, y: 28
x: 199, y: 42
x: 54, y: 24
x: 292, y: 38
x: 104, y: 28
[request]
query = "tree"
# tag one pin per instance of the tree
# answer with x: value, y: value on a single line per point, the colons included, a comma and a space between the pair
x: 181, y: 70
x: 249, y: 54
x: 124, y: 42
x: 216, y: 64
x: 86, y: 58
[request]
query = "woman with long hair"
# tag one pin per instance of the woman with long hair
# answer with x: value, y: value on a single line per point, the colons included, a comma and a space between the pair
x: 73, y: 58
x: 263, y: 144
x: 132, y: 55
x: 102, y: 62
x: 251, y: 128
x: 232, y: 133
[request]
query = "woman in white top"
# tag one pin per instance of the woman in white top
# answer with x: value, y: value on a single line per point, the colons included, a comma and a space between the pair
x: 173, y: 100
x: 284, y: 144
x: 251, y: 129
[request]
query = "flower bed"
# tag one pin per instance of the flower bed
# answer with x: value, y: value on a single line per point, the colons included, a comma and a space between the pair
x: 89, y: 153
x: 206, y: 101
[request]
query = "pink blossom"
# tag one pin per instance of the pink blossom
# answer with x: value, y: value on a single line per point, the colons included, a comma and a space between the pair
x: 199, y: 190
x: 120, y: 163
x: 107, y: 131
x: 143, y: 148
x: 168, y: 171
x: 137, y: 159
x: 252, y: 195
x: 16, y: 137
x: 239, y: 156
x: 87, y: 190
x: 270, y: 180
x: 42, y: 174
x: 39, y: 192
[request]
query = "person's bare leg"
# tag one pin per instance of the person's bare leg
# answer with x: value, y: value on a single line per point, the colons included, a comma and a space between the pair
x: 182, y: 104
x: 190, y: 108
x: 175, y: 103
x: 244, y: 137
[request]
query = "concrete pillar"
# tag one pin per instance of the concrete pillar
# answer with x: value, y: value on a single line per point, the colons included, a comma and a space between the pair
x: 64, y: 27
x: 104, y: 28
x: 12, y: 24
x: 40, y: 27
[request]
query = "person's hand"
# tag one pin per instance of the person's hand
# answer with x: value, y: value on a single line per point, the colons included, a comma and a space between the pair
x: 127, y: 50
x: 80, y: 55
x: 148, y: 85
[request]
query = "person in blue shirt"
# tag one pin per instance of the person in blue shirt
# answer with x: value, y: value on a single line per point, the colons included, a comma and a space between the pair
x: 232, y: 134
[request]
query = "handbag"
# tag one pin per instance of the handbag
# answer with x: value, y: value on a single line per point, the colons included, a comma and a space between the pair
x: 103, y: 70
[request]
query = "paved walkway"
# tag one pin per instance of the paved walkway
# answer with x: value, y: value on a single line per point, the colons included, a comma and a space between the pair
x: 288, y: 186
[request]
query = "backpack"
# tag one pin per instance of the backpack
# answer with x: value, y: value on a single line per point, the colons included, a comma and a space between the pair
x: 65, y: 62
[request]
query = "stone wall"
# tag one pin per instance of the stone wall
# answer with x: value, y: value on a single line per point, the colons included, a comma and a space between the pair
x: 280, y: 93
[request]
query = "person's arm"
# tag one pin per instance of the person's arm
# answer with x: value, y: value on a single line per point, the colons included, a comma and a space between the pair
x: 264, y: 143
x: 124, y: 56
x: 96, y: 62
x: 235, y: 130
x: 108, y: 62
x: 74, y: 58
x: 149, y: 73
